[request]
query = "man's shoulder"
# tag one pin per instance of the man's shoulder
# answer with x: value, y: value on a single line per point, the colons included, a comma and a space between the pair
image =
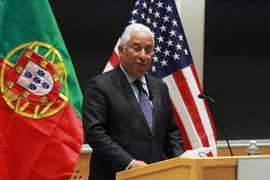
x: 106, y: 73
x: 106, y: 76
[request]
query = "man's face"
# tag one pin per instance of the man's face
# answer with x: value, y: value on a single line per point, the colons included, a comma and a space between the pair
x: 137, y: 55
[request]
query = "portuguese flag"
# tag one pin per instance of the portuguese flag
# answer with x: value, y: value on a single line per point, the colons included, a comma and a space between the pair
x: 40, y: 99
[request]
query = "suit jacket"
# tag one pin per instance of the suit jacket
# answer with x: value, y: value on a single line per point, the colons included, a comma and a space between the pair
x: 116, y: 129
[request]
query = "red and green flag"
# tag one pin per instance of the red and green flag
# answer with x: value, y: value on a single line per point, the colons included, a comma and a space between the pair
x: 40, y: 98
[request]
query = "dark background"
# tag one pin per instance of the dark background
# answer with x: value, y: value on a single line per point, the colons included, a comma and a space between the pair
x: 236, y: 59
x: 236, y: 66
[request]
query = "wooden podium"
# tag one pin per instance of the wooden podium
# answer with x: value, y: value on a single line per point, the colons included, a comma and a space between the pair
x: 209, y: 168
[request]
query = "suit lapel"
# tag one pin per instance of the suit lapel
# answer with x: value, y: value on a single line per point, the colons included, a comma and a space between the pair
x: 120, y: 81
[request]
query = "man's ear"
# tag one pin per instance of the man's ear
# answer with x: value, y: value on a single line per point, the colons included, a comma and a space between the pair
x: 120, y: 50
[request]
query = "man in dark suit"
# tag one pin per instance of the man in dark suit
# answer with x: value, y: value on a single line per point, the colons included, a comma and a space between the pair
x: 115, y: 125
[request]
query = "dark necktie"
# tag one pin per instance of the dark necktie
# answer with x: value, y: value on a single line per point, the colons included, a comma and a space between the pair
x: 145, y: 104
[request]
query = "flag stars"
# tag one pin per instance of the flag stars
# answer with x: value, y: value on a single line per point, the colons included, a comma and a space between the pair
x: 135, y: 11
x: 169, y: 46
x: 164, y: 62
x: 186, y: 51
x: 158, y: 49
x: 166, y: 18
x: 150, y: 10
x: 155, y: 58
x: 133, y: 21
x: 144, y: 5
x: 166, y: 53
x: 181, y: 38
x: 178, y: 46
x: 169, y: 43
x: 153, y: 33
x: 154, y: 24
x: 175, y: 56
x: 157, y: 14
x: 160, y: 39
x: 153, y: 68
x: 171, y: 51
x: 160, y: 4
x: 148, y: 20
x: 169, y: 8
x: 143, y: 16
x: 172, y: 32
x: 174, y: 22
x: 163, y: 28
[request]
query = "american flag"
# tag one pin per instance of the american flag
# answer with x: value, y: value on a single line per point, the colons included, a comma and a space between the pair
x: 173, y: 64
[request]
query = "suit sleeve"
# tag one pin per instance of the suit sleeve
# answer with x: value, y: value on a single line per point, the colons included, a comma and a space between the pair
x: 95, y: 112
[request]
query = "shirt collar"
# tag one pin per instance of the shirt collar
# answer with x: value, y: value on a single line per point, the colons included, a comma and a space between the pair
x: 131, y: 78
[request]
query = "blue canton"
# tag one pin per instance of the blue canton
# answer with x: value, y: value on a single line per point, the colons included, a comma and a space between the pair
x: 171, y: 49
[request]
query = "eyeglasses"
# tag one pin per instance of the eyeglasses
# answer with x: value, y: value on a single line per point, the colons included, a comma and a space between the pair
x: 137, y: 49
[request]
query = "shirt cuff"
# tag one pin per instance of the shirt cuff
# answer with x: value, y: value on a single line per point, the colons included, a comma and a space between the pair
x: 130, y: 164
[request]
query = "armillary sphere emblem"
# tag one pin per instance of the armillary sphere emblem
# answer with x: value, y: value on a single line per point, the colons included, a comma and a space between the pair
x: 33, y: 80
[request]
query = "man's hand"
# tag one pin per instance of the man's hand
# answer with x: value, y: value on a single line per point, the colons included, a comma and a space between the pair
x: 136, y: 164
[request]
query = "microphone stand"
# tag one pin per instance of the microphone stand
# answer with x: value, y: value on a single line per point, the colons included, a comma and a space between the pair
x: 227, y: 141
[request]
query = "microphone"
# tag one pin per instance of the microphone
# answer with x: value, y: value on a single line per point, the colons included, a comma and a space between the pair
x: 151, y: 96
x: 202, y: 96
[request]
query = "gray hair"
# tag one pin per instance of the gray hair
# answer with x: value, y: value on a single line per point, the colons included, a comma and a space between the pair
x: 132, y: 28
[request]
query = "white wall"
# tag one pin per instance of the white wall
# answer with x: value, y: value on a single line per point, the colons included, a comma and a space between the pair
x: 192, y: 14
